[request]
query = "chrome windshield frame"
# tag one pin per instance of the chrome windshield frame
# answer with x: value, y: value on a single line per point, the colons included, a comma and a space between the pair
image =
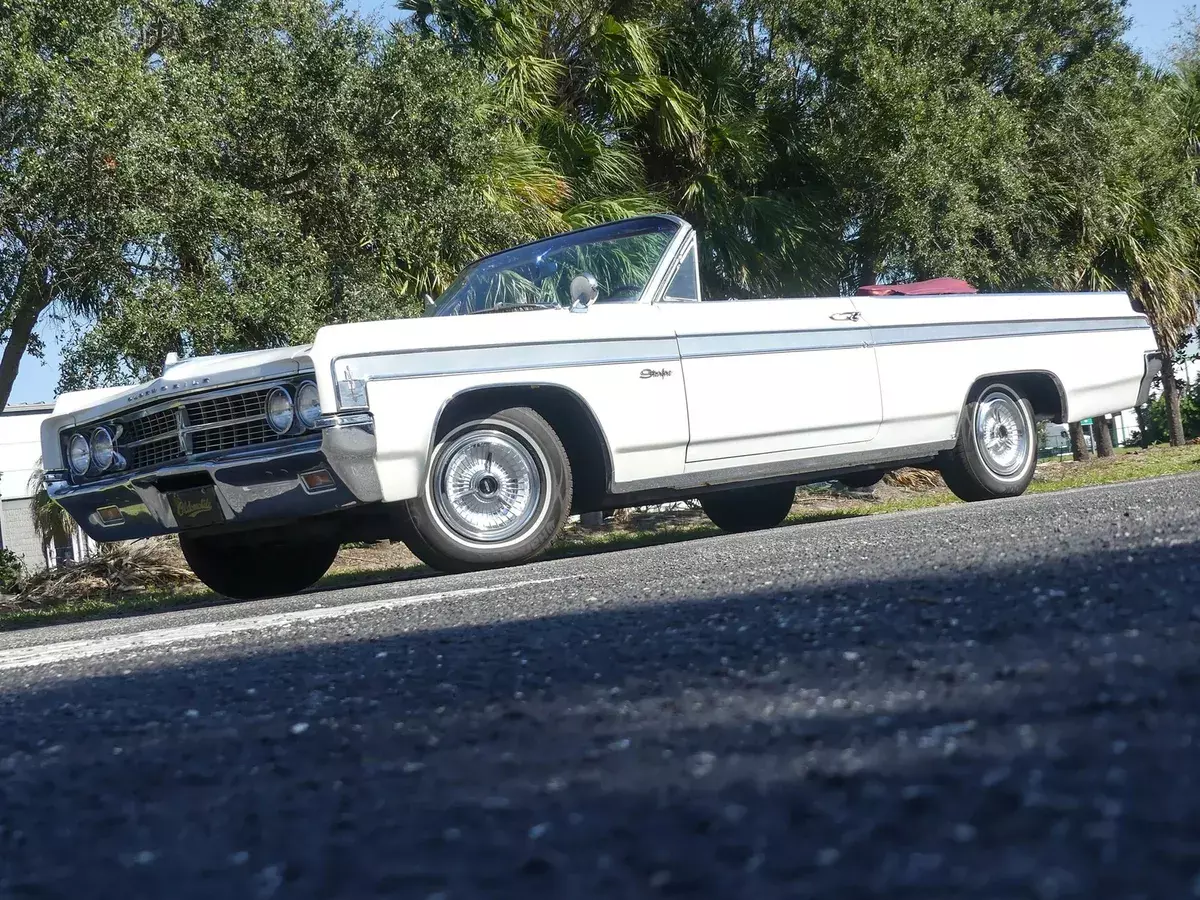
x: 569, y: 238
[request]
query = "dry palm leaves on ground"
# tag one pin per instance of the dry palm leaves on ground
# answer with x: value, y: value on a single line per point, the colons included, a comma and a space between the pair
x: 115, y: 570
x: 915, y: 479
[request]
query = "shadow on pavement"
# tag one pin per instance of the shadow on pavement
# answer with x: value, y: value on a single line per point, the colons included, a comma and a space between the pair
x: 575, y: 545
x: 978, y: 733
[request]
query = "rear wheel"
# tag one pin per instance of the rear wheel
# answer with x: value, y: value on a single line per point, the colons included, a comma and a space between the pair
x: 749, y: 508
x: 996, y: 450
x: 249, y: 566
x: 497, y: 493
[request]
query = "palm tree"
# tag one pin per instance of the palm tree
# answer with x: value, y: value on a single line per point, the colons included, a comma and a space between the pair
x: 643, y: 106
x: 1152, y: 253
x: 1143, y: 236
x: 52, y: 523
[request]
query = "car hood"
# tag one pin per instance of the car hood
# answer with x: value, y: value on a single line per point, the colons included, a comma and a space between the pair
x: 199, y: 373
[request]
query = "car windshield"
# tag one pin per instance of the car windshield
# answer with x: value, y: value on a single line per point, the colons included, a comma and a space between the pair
x: 621, y: 257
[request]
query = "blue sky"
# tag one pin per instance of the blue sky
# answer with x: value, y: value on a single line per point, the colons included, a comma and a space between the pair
x: 1151, y: 32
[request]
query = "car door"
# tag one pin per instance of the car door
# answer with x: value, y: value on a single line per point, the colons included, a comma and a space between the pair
x: 771, y: 376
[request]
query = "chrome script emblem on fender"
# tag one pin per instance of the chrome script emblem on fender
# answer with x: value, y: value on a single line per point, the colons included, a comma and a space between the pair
x: 656, y: 373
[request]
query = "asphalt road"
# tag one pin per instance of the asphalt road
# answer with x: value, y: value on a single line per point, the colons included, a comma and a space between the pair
x: 996, y: 700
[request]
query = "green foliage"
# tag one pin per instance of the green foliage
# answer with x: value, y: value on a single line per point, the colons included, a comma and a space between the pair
x: 200, y: 176
x: 952, y: 135
x: 819, y: 145
x: 1157, y: 425
x: 79, y: 124
x: 643, y: 106
x: 1140, y: 230
x: 252, y: 171
x: 12, y: 572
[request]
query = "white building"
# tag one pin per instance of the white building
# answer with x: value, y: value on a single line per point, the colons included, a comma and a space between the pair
x: 20, y: 455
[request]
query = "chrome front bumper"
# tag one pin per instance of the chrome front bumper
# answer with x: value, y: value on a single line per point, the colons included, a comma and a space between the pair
x: 257, y: 484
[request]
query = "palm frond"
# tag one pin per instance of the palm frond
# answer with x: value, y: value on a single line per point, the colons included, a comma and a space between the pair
x: 51, y: 522
x: 609, y: 209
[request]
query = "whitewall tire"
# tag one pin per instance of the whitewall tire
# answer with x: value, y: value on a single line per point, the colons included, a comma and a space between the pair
x: 497, y: 492
x: 996, y: 450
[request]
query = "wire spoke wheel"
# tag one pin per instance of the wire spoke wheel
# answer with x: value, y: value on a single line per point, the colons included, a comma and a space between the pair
x: 995, y: 451
x: 1000, y: 433
x: 487, y: 486
x: 497, y: 493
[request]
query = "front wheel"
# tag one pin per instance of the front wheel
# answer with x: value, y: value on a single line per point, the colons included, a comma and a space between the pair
x: 996, y: 451
x: 497, y: 493
x: 252, y: 566
x: 750, y: 508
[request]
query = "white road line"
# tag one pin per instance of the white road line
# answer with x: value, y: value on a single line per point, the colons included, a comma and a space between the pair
x: 64, y: 651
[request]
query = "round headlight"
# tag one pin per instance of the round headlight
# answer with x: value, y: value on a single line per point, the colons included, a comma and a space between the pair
x: 102, y: 449
x: 79, y: 454
x: 308, y: 404
x: 280, y: 411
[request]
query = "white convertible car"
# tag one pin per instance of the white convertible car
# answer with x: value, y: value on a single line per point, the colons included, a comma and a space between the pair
x: 574, y: 374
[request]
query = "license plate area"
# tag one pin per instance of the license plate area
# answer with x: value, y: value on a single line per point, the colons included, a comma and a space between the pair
x: 196, y: 507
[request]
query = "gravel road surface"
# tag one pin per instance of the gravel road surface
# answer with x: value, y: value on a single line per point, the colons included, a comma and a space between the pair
x: 999, y: 700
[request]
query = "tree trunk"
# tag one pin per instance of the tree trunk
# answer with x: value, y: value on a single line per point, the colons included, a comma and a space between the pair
x: 1102, y: 432
x: 31, y: 294
x: 1171, y: 393
x: 1079, y: 447
x: 23, y: 323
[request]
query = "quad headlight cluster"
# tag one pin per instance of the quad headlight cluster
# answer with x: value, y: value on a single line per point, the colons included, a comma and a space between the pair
x: 95, y: 450
x: 289, y: 410
x: 283, y: 410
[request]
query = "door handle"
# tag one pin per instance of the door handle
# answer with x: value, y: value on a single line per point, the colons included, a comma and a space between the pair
x: 852, y: 316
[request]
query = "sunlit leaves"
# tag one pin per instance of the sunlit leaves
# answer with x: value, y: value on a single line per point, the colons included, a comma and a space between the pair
x: 318, y: 172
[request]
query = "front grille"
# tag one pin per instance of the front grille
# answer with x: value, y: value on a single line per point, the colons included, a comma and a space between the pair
x: 151, y: 425
x: 191, y: 427
x: 208, y: 410
x: 230, y: 437
x: 155, y: 453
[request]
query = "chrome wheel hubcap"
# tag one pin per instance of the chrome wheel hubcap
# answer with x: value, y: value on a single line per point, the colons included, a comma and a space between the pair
x: 1001, y: 433
x: 488, y: 486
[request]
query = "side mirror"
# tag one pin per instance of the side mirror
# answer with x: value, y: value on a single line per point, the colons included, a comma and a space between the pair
x: 430, y: 306
x: 584, y: 291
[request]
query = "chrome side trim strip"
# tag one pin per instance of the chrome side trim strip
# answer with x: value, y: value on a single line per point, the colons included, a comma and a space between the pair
x: 428, y: 363
x: 501, y: 358
x: 699, y: 346
x: 702, y: 345
x: 966, y: 331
